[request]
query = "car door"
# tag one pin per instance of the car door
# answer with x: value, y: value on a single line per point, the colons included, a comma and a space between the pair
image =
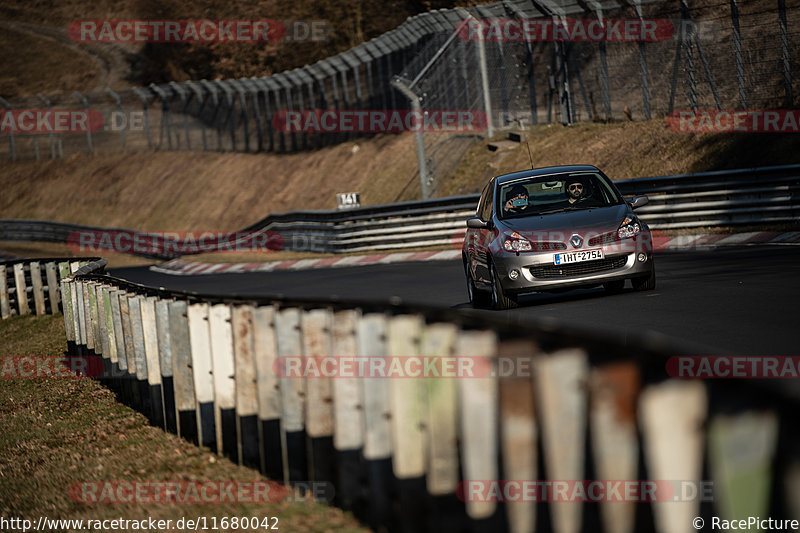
x: 483, y: 237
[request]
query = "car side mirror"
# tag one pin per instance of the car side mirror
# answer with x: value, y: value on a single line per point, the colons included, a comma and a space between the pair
x: 477, y: 223
x: 639, y: 201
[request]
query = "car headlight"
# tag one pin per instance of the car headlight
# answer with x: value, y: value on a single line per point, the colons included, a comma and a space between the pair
x: 630, y: 227
x: 516, y: 243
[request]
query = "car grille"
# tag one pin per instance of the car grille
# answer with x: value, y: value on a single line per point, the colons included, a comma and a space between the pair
x: 606, y: 238
x: 547, y: 246
x: 577, y: 269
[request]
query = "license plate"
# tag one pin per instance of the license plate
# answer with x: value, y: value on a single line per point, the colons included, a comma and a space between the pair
x: 577, y: 257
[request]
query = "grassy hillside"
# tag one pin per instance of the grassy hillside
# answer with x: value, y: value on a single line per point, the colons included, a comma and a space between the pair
x: 226, y: 191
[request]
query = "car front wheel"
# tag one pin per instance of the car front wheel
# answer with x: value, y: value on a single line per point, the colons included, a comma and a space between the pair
x: 478, y: 299
x: 500, y: 300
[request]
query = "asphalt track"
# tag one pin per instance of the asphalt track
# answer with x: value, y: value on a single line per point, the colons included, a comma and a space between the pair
x: 724, y: 301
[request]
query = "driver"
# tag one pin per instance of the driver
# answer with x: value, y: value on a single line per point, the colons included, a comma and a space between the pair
x: 517, y: 195
x: 575, y: 191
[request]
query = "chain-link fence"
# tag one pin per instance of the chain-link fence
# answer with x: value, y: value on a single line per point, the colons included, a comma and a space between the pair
x: 711, y: 54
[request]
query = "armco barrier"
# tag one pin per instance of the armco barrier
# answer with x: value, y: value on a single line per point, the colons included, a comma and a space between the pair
x: 398, y: 452
x: 732, y: 197
x: 31, y: 286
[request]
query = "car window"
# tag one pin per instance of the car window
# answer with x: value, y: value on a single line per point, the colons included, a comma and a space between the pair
x: 486, y: 211
x: 556, y: 192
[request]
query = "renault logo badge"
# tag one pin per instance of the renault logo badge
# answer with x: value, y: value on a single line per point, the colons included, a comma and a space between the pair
x: 576, y: 240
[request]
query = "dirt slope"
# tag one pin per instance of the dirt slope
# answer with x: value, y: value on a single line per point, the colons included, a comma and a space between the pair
x: 226, y: 191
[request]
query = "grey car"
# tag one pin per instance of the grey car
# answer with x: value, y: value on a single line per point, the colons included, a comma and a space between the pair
x: 554, y: 229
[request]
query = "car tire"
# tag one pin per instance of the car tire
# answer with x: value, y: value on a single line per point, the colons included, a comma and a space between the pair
x: 477, y: 298
x: 614, y: 287
x: 500, y: 300
x: 647, y: 283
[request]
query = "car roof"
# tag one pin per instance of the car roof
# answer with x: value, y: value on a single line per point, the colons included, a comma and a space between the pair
x: 532, y: 173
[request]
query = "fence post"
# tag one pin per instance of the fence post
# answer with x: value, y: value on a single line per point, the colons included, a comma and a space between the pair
x: 51, y: 135
x: 118, y: 101
x: 785, y: 58
x: 737, y: 50
x: 85, y: 102
x: 143, y: 96
x: 147, y: 306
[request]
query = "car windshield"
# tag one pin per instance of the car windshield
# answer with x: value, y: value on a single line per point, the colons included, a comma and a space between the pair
x: 555, y: 193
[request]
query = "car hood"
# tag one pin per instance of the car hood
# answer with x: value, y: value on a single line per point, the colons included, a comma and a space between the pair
x: 599, y: 219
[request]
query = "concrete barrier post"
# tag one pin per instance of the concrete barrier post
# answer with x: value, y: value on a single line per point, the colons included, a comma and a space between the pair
x: 165, y: 364
x: 5, y: 306
x: 51, y: 273
x: 150, y: 340
x: 293, y: 431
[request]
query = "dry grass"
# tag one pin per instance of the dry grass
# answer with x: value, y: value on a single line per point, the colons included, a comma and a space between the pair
x: 61, y: 431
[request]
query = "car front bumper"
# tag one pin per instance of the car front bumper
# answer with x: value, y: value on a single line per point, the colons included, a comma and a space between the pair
x: 537, y: 272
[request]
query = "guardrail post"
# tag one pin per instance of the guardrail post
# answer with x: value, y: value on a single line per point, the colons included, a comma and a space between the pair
x: 348, y: 413
x: 479, y: 419
x: 671, y: 419
x: 131, y: 382
x: 269, y: 393
x: 140, y: 355
x: 560, y: 382
x: 38, y: 288
x: 408, y: 421
x: 199, y: 340
x: 153, y: 364
x: 246, y: 386
x: 518, y: 428
x: 51, y: 135
x: 92, y: 338
x: 316, y: 338
x: 53, y: 292
x: 371, y: 336
x: 118, y: 101
x: 293, y: 434
x: 165, y: 364
x: 22, y: 290
x: 212, y: 90
x: 5, y: 307
x: 612, y: 404
x: 117, y: 343
x: 181, y: 349
x: 181, y: 92
x: 219, y: 322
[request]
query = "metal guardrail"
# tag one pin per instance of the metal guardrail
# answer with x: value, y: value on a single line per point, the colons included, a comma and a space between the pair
x: 747, y: 196
x: 31, y: 286
x: 401, y: 452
